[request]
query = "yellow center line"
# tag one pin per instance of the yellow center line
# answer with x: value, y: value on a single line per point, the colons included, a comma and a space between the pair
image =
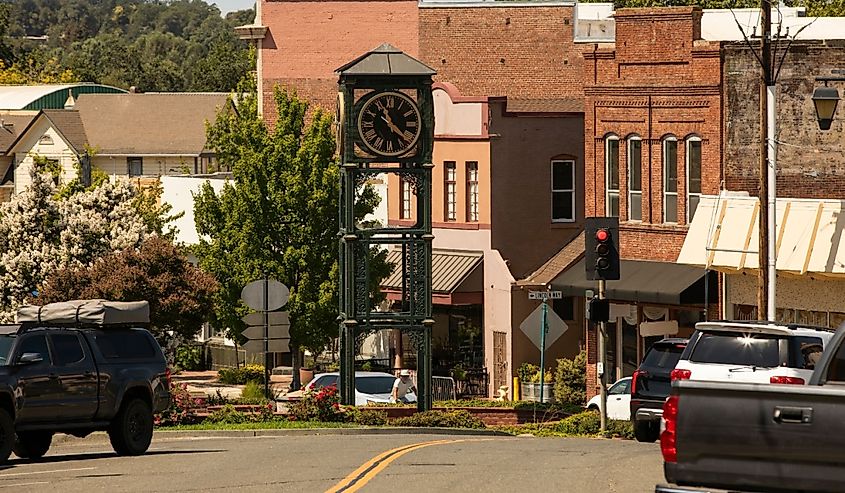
x: 358, y: 478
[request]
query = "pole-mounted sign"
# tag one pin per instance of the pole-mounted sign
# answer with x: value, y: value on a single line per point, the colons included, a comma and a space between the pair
x: 266, y: 295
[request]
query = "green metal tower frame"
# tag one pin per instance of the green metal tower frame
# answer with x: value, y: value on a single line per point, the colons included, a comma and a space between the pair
x: 385, y: 69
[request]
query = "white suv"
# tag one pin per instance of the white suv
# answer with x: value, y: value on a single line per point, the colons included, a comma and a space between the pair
x: 752, y: 352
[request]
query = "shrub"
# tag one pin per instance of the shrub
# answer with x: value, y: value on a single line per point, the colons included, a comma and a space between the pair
x: 253, y: 392
x: 228, y: 414
x: 548, y: 376
x: 585, y: 423
x: 571, y: 380
x: 319, y: 405
x: 440, y: 419
x: 190, y: 357
x: 619, y: 429
x: 242, y: 375
x: 369, y: 417
x: 526, y: 371
x: 181, y: 409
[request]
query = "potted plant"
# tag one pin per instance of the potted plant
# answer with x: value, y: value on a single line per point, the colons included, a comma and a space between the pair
x: 525, y: 372
x: 547, y: 385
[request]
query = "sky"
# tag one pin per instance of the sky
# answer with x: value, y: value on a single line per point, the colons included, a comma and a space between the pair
x: 227, y: 6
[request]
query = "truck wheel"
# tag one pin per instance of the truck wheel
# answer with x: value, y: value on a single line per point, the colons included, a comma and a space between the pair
x: 132, y: 429
x: 646, y: 431
x: 32, y: 444
x: 7, y: 435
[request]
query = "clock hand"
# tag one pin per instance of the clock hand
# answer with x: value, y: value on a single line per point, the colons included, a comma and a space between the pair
x: 392, y: 126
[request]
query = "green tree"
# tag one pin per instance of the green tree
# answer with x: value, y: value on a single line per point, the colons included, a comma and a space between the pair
x: 279, y: 215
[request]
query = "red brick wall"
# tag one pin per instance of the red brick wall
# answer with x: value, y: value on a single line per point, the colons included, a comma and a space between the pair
x: 658, y: 80
x: 522, y: 52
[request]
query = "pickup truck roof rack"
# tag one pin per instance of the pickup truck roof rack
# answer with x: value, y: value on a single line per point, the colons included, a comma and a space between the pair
x: 792, y: 326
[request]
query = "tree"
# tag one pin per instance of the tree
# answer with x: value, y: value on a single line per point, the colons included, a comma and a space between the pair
x: 42, y: 231
x: 279, y: 215
x: 180, y: 294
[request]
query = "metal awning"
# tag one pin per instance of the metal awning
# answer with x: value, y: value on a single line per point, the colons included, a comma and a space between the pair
x: 642, y: 281
x: 724, y: 235
x: 451, y: 270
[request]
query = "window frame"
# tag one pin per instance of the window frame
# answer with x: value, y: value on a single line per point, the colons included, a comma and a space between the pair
x: 472, y: 191
x: 610, y: 192
x: 450, y: 191
x: 133, y: 160
x: 666, y: 193
x: 404, y: 198
x: 554, y: 190
x: 697, y: 195
x: 631, y: 193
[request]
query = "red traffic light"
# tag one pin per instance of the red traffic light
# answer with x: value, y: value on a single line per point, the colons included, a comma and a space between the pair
x: 602, y: 235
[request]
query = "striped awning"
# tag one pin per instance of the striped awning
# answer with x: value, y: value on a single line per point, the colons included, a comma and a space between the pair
x: 449, y: 268
x: 723, y: 235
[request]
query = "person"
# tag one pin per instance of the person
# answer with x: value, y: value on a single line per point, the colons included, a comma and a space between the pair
x: 401, y: 386
x: 812, y: 354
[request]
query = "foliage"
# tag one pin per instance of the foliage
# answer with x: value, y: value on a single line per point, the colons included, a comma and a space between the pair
x: 619, y: 429
x: 571, y: 380
x: 526, y: 371
x: 181, y: 409
x: 278, y: 217
x: 41, y: 233
x: 180, y: 295
x: 180, y: 45
x: 548, y: 376
x: 253, y: 392
x: 585, y: 423
x: 228, y: 414
x: 274, y: 424
x: 368, y: 417
x: 242, y: 375
x: 440, y: 419
x: 319, y: 405
x: 190, y: 357
x: 155, y: 212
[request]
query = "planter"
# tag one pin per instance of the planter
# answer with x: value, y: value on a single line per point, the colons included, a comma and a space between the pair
x: 531, y: 392
x: 305, y: 376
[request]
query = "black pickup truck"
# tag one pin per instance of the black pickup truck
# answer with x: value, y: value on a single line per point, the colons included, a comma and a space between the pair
x: 76, y: 368
x: 759, y: 437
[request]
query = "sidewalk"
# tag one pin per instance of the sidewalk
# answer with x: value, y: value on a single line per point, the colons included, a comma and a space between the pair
x: 205, y: 382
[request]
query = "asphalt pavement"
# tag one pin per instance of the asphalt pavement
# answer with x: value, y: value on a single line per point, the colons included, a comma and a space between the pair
x: 347, y: 462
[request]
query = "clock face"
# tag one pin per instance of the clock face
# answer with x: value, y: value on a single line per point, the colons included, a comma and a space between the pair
x: 389, y: 123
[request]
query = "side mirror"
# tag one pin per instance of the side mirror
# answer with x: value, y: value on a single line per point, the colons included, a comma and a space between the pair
x: 30, y: 358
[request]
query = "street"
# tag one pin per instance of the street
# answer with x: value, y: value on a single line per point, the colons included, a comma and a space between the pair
x: 318, y: 463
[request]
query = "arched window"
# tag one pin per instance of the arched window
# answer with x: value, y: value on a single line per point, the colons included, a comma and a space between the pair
x: 611, y: 163
x: 46, y: 140
x: 693, y: 176
x: 670, y: 180
x: 635, y: 178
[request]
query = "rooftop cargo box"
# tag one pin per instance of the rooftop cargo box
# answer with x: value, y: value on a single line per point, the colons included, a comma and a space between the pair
x: 94, y: 312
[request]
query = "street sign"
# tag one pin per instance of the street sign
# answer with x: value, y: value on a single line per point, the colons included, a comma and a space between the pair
x: 545, y: 295
x: 276, y: 318
x: 556, y: 326
x: 276, y: 345
x: 256, y: 332
x: 277, y: 294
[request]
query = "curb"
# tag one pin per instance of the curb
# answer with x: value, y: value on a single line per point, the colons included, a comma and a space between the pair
x: 102, y: 437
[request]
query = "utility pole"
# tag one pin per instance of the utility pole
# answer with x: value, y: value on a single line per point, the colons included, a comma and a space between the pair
x: 765, y: 295
x: 602, y: 336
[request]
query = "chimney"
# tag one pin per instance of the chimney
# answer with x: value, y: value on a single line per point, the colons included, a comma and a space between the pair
x: 70, y: 103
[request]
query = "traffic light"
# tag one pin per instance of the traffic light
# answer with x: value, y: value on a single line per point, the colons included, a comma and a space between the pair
x: 601, y: 254
x: 598, y: 310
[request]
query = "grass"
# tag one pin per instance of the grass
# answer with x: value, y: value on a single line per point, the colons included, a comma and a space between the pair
x: 262, y: 425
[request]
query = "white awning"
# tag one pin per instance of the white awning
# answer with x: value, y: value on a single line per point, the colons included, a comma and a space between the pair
x: 724, y: 235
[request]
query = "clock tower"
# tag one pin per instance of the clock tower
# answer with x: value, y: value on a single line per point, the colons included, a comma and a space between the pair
x: 385, y: 125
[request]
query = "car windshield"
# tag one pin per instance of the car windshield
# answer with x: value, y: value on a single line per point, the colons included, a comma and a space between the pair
x: 6, y: 341
x: 374, y: 385
x: 736, y: 348
x: 664, y: 355
x: 325, y: 381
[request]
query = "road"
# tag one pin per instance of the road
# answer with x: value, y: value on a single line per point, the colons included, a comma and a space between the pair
x: 322, y: 463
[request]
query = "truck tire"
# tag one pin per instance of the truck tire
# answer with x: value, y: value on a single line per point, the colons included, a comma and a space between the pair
x: 32, y: 444
x: 131, y: 431
x: 646, y: 431
x: 7, y: 435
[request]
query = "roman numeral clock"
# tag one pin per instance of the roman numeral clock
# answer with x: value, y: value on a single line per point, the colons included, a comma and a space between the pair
x: 385, y: 126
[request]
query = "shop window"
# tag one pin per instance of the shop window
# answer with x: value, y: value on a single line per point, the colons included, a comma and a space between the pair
x: 635, y: 179
x: 611, y: 161
x: 472, y: 191
x: 450, y: 187
x: 563, y: 191
x: 670, y: 180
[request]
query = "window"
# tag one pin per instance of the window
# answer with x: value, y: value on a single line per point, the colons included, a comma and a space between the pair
x: 836, y: 369
x: 734, y: 348
x: 670, y: 180
x: 404, y: 198
x: 620, y: 388
x: 472, y: 191
x: 46, y: 140
x: 67, y: 348
x: 693, y: 176
x: 135, y: 165
x: 120, y: 344
x: 635, y: 179
x: 563, y: 191
x: 611, y: 161
x: 35, y: 344
x: 450, y: 188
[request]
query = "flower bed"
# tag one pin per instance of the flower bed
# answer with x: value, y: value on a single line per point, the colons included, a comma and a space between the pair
x: 490, y: 416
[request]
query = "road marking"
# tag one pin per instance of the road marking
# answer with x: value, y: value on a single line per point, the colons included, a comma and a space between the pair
x: 358, y: 478
x: 4, y: 475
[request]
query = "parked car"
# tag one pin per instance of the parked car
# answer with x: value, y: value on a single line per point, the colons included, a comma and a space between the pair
x: 650, y: 386
x: 618, y: 400
x: 752, y: 352
x: 370, y: 386
x: 76, y: 368
x: 756, y: 436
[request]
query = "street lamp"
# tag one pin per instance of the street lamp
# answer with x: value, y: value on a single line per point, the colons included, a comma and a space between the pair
x: 825, y: 100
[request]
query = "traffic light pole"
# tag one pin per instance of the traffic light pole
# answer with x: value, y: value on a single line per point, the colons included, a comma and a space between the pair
x: 602, y: 337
